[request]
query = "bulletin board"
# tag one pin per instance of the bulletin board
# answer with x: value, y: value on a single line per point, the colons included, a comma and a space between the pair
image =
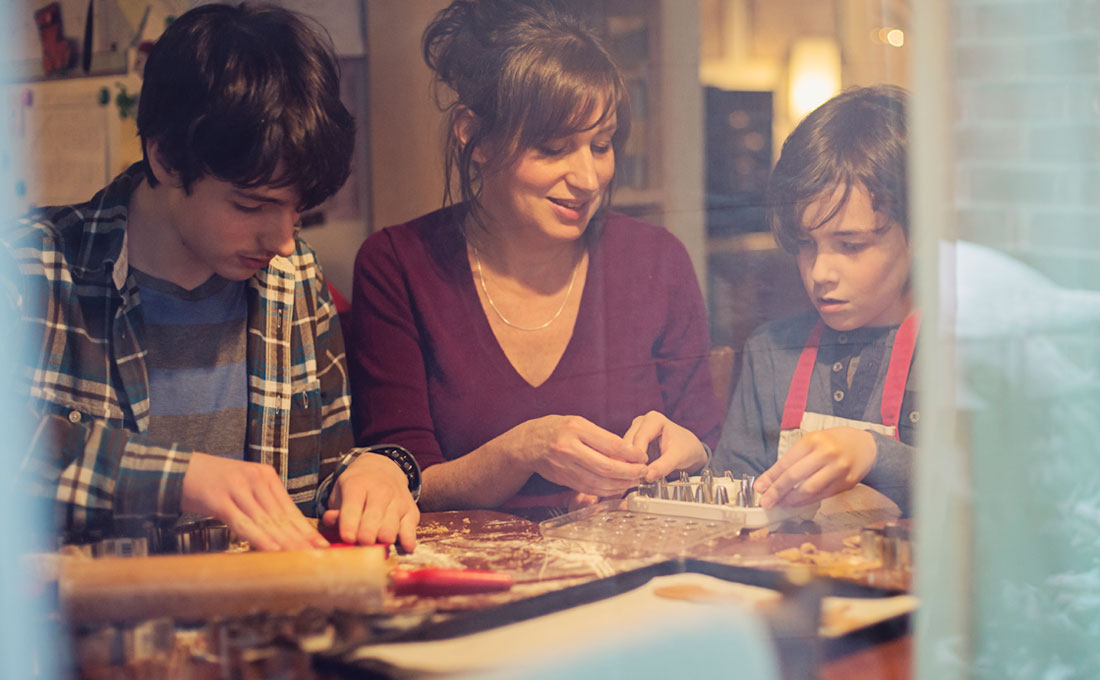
x: 72, y: 144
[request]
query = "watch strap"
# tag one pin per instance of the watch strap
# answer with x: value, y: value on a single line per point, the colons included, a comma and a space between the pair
x: 398, y: 454
x: 405, y: 460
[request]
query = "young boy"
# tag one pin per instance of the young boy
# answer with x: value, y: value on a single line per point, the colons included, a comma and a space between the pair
x: 184, y: 355
x: 823, y: 401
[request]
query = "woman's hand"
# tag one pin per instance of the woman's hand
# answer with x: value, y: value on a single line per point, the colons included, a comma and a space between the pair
x: 819, y: 465
x: 677, y: 447
x: 574, y: 452
x: 579, y: 501
x: 371, y: 503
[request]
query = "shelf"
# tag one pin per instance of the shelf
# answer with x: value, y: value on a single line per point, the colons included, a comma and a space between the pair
x: 30, y: 70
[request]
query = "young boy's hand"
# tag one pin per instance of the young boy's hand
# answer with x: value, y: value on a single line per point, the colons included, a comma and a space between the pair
x: 819, y: 465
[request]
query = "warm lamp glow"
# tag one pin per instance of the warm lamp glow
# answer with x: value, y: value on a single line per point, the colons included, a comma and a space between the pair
x: 895, y: 37
x: 814, y: 75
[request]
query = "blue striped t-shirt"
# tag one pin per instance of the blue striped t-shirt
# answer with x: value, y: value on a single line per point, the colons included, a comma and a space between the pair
x: 198, y: 376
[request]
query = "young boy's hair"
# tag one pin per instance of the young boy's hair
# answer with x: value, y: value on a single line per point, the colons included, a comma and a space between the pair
x: 249, y: 95
x: 856, y: 138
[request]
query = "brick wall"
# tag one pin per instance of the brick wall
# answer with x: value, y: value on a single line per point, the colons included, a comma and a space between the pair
x: 1027, y: 139
x: 1026, y: 84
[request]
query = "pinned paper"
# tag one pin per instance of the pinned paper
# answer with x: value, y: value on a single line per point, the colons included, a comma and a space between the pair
x: 133, y: 11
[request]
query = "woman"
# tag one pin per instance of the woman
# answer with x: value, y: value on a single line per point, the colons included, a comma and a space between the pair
x: 530, y: 349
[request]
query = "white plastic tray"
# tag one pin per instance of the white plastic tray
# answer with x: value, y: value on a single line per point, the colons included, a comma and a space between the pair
x: 746, y: 518
x: 652, y: 525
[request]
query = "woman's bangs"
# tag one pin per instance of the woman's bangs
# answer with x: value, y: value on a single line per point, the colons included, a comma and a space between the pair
x: 567, y: 101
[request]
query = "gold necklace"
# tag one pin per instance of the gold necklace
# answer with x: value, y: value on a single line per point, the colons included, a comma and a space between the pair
x: 493, y: 305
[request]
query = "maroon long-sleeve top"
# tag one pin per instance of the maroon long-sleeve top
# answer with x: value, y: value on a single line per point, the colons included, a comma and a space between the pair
x: 427, y: 372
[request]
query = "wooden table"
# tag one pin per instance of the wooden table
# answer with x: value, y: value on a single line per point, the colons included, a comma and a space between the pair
x: 502, y: 542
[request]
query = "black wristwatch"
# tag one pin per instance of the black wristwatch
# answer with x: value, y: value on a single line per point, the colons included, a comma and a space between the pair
x: 405, y: 461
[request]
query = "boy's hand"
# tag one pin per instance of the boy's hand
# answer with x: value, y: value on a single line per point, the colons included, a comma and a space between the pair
x: 371, y: 503
x: 251, y: 500
x: 678, y: 448
x: 820, y: 465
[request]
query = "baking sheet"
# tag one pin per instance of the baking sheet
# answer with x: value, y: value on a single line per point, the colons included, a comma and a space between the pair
x: 615, y: 624
x: 856, y: 615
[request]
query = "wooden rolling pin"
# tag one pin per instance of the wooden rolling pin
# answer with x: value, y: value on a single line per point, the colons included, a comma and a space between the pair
x: 189, y: 587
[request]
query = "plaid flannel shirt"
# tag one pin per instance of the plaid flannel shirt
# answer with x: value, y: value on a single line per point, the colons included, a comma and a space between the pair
x: 88, y: 383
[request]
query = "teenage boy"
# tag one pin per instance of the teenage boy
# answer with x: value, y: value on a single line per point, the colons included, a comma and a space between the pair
x: 184, y: 353
x: 824, y: 401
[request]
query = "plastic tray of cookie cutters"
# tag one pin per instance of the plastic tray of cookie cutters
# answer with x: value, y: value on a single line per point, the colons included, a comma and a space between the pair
x: 673, y: 517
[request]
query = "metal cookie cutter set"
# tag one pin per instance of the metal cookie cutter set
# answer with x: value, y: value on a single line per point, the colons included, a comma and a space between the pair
x: 672, y: 517
x: 726, y: 499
